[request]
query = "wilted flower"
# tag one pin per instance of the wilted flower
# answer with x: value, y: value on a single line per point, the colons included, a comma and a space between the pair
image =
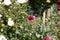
x: 7, y: 2
x: 10, y: 22
x: 22, y: 1
x: 30, y: 17
x: 2, y: 37
x: 47, y: 38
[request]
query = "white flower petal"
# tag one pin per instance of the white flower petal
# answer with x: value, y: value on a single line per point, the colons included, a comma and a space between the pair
x: 10, y: 22
x: 7, y: 2
x: 2, y: 37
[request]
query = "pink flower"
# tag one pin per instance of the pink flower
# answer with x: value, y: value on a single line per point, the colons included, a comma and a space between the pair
x: 47, y: 38
x: 30, y: 17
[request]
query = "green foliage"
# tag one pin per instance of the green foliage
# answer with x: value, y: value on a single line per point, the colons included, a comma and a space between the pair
x: 24, y: 29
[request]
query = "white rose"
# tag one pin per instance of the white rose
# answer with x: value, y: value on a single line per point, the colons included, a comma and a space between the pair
x: 2, y: 37
x: 22, y: 1
x: 7, y: 2
x: 10, y: 22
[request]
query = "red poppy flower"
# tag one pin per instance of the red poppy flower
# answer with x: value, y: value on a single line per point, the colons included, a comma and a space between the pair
x: 30, y: 17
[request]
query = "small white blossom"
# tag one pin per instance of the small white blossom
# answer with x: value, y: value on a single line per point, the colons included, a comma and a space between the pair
x: 37, y: 35
x: 7, y: 2
x: 10, y: 22
x: 0, y: 15
x: 22, y: 1
x: 2, y: 37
